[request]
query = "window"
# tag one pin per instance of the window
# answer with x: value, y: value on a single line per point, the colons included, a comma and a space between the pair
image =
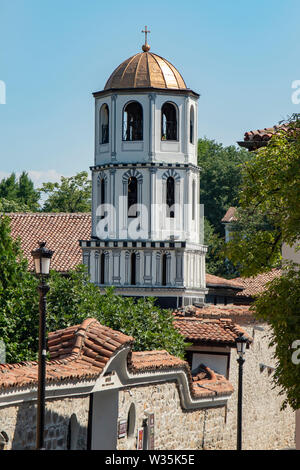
x: 101, y: 197
x: 133, y: 122
x: 133, y: 269
x: 170, y: 197
x: 132, y: 196
x: 104, y: 124
x: 169, y: 122
x: 192, y: 125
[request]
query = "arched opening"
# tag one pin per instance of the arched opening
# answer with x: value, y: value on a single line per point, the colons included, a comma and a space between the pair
x: 132, y: 196
x: 193, y: 199
x: 192, y: 120
x: 164, y: 270
x: 102, y: 269
x: 133, y: 122
x: 104, y: 124
x: 133, y: 269
x: 169, y: 122
x: 101, y: 197
x: 170, y: 197
x: 131, y: 420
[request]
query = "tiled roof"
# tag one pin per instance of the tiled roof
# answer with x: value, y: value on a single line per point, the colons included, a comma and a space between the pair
x: 255, y: 285
x: 263, y: 134
x: 153, y: 360
x: 204, y: 384
x: 80, y: 353
x: 61, y: 231
x: 77, y: 353
x: 216, y: 281
x: 230, y: 215
x: 206, y: 326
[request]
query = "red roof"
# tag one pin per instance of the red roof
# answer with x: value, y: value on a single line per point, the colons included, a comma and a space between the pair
x: 201, y: 326
x: 216, y: 281
x: 81, y: 352
x: 62, y: 233
x: 230, y: 215
x: 255, y: 285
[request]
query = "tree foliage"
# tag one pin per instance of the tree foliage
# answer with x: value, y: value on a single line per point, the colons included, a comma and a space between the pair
x: 18, y: 195
x: 269, y: 201
x: 215, y: 261
x: 72, y: 194
x: 220, y: 179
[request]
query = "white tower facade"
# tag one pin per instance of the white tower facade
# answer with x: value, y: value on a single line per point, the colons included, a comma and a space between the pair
x: 146, y: 217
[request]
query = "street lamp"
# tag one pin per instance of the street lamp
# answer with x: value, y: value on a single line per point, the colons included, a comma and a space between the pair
x: 41, y: 258
x: 241, y: 343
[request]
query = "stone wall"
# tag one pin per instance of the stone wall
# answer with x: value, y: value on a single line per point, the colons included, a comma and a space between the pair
x: 265, y: 427
x: 62, y: 430
x: 175, y: 428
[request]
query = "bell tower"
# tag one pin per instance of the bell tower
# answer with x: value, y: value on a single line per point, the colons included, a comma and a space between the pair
x: 146, y: 217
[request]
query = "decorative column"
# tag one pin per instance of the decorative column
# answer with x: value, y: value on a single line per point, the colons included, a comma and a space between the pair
x: 151, y: 153
x: 112, y: 221
x: 97, y: 269
x: 114, y: 127
x: 152, y: 202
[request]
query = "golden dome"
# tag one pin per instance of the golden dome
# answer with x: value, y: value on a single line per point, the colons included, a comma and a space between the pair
x: 145, y: 70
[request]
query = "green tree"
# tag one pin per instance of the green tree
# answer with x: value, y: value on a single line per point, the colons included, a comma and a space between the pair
x: 26, y: 193
x: 72, y: 194
x: 220, y: 179
x: 18, y: 195
x: 270, y: 201
x: 215, y: 261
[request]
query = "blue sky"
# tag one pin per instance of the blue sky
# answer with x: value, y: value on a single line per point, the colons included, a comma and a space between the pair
x: 241, y: 56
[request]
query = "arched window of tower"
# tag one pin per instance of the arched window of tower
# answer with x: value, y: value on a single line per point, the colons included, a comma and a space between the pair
x: 104, y: 124
x: 133, y: 121
x: 192, y: 119
x: 169, y: 126
x: 170, y: 197
x: 132, y: 196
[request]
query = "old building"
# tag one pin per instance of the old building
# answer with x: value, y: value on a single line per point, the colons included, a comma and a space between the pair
x: 145, y: 237
x: 102, y: 395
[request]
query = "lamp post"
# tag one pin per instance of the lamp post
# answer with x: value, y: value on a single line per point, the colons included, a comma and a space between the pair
x: 41, y: 257
x: 241, y: 343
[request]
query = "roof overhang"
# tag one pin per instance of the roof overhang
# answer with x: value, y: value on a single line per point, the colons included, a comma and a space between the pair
x: 163, y: 91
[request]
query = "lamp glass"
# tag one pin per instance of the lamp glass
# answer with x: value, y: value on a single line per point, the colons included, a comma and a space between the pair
x: 42, y: 265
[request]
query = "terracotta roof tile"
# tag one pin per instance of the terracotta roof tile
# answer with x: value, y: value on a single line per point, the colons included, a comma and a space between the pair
x: 61, y: 231
x: 204, y: 384
x: 216, y: 281
x: 79, y: 357
x: 230, y: 215
x: 206, y: 325
x: 257, y: 284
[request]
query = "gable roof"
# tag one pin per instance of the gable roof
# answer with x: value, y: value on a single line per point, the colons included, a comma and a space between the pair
x: 256, y: 284
x: 77, y: 353
x: 61, y: 231
x: 200, y: 326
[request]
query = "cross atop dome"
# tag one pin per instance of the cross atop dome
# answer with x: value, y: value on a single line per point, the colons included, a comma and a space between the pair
x: 146, y: 46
